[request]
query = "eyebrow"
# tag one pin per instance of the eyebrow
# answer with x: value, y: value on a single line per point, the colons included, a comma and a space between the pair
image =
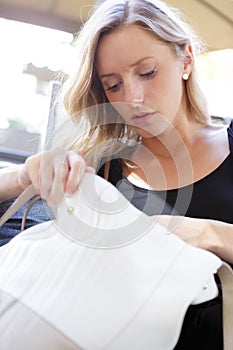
x: 131, y: 66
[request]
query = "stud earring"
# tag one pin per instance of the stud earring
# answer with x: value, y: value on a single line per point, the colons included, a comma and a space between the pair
x: 185, y: 76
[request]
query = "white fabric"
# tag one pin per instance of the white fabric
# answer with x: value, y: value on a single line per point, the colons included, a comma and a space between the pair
x: 102, y: 288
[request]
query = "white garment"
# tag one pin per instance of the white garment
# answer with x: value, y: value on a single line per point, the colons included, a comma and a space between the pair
x: 104, y: 275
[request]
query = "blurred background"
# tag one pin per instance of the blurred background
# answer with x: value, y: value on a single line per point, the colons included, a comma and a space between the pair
x: 37, y: 37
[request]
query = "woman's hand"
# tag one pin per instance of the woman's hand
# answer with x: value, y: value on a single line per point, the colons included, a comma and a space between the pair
x: 215, y: 236
x: 52, y: 173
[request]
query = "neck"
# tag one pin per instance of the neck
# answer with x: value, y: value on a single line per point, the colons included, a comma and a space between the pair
x: 175, y: 140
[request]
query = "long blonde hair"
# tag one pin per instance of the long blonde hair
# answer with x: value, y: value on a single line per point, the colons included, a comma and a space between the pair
x: 83, y: 91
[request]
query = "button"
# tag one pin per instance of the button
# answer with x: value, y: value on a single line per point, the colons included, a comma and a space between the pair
x: 70, y: 210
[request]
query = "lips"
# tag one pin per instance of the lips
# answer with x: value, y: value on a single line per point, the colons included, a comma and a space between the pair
x: 141, y: 117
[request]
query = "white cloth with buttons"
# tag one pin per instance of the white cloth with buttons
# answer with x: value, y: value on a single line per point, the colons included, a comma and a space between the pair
x: 103, y: 275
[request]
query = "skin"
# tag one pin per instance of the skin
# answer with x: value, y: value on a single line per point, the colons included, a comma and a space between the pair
x: 142, y: 76
x: 136, y: 69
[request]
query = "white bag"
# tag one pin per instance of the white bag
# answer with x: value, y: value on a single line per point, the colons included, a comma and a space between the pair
x: 103, y: 275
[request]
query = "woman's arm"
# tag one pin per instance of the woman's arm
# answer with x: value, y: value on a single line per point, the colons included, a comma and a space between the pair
x: 215, y: 236
x: 52, y: 173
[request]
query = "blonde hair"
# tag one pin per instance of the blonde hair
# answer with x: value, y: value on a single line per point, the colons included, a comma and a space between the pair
x: 83, y: 89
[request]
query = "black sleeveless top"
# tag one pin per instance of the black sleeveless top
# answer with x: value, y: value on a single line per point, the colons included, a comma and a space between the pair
x: 210, y: 198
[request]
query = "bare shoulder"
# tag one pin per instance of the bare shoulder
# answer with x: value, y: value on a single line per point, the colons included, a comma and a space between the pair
x: 211, y: 149
x: 216, y: 127
x: 216, y: 134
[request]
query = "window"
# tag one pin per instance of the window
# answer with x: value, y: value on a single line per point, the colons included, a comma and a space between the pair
x: 31, y: 57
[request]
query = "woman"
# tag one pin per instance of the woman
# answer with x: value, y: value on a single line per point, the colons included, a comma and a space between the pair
x: 135, y: 84
x: 139, y: 56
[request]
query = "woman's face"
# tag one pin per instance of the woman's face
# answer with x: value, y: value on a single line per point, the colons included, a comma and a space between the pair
x: 142, y: 79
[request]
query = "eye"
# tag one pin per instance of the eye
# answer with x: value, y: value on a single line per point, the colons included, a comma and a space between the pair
x: 114, y: 87
x: 149, y: 74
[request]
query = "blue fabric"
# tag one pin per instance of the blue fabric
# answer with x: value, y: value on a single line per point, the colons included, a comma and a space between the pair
x: 38, y: 213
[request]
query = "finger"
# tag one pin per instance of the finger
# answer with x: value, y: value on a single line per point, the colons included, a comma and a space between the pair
x: 53, y: 186
x: 77, y: 169
x: 30, y: 172
x: 23, y: 177
x: 46, y: 174
x: 90, y: 170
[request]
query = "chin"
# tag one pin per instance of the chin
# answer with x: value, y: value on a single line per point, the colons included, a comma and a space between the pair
x: 147, y: 134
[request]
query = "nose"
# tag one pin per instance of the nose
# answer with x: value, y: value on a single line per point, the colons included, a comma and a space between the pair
x: 133, y: 93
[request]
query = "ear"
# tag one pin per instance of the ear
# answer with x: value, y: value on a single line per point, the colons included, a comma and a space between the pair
x: 187, y: 59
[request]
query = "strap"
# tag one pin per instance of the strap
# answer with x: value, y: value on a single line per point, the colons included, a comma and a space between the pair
x: 112, y: 171
x: 25, y: 196
x: 25, y: 214
x: 106, y: 170
x: 226, y: 277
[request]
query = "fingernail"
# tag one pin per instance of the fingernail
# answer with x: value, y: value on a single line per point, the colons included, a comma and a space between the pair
x: 90, y: 169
